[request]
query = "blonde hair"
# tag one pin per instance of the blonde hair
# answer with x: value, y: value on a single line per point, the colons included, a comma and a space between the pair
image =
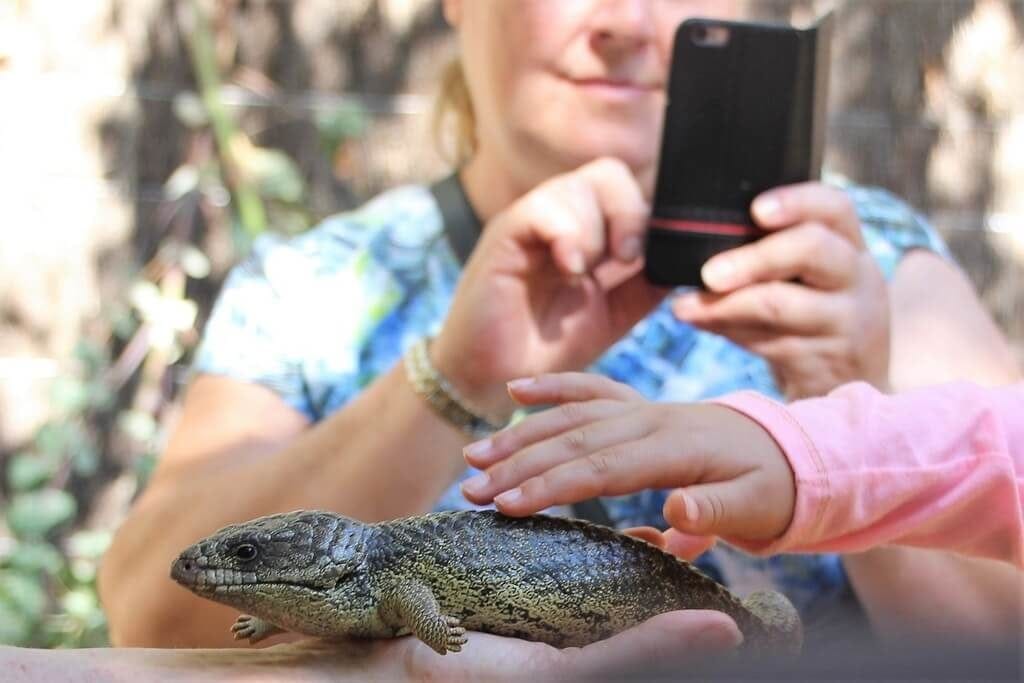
x: 454, y: 103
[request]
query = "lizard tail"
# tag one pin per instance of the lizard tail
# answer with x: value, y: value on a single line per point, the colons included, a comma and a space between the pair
x: 782, y: 630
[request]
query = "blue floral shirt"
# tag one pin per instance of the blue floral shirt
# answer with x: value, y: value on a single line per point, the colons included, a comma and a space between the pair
x: 316, y: 318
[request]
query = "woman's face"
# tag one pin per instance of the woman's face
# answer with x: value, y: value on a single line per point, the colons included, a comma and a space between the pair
x: 557, y: 83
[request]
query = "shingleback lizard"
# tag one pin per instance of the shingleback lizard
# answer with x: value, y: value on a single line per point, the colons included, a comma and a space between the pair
x: 559, y: 581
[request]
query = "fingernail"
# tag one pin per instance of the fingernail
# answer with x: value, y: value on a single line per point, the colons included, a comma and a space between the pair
x: 478, y: 449
x: 767, y: 206
x: 630, y: 248
x: 509, y: 497
x: 717, y: 639
x: 719, y: 272
x: 685, y: 305
x: 476, y: 483
x: 577, y: 266
x: 692, y: 511
x: 520, y: 384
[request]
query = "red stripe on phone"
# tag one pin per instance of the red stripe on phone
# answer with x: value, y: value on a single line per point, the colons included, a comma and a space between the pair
x: 701, y: 226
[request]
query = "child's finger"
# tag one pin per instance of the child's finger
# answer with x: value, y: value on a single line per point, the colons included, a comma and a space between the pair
x: 581, y: 442
x: 623, y: 468
x: 563, y: 387
x: 686, y: 546
x: 536, y: 428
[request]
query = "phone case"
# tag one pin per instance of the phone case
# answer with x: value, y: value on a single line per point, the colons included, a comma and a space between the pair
x: 746, y: 112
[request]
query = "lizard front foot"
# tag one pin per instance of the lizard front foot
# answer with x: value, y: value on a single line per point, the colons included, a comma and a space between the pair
x: 413, y: 606
x: 456, y: 636
x: 449, y: 638
x: 253, y: 628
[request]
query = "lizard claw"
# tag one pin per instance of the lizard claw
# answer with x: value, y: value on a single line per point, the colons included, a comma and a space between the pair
x: 252, y: 628
x: 243, y: 627
x: 456, y: 635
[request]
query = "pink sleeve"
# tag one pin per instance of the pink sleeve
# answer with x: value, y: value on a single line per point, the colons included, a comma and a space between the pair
x: 941, y: 468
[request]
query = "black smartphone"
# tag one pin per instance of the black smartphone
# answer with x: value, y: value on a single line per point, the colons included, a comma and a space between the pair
x: 746, y: 112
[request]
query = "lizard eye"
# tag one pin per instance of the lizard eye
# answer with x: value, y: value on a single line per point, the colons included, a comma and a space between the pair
x: 246, y: 552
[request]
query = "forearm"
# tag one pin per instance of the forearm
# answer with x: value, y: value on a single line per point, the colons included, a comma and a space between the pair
x: 934, y: 468
x: 384, y: 455
x: 940, y: 334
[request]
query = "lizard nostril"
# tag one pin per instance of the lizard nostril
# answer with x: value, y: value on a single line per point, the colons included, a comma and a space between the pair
x: 187, y: 565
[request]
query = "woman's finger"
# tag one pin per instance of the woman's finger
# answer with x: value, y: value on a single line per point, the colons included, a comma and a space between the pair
x: 564, y: 387
x: 580, y: 442
x: 582, y: 216
x: 564, y: 216
x: 782, y: 307
x: 809, y: 202
x: 622, y: 204
x: 667, y: 642
x: 687, y: 546
x: 810, y: 252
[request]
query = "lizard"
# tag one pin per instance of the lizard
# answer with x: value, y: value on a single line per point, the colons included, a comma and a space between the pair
x: 556, y: 580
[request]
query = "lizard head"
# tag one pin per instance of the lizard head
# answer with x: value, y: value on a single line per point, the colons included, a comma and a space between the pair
x: 306, y: 552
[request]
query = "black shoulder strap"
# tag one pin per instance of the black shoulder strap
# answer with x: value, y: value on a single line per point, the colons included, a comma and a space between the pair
x: 463, y: 227
x: 461, y: 223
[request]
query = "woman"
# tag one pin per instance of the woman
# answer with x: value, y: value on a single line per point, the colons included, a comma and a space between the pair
x: 302, y: 400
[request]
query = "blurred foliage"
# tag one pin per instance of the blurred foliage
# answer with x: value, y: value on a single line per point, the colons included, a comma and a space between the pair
x: 47, y: 571
x: 114, y: 403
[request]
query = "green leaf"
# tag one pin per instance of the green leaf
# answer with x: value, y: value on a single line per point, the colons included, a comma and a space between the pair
x: 23, y: 593
x: 80, y: 603
x: 90, y: 544
x: 34, y: 557
x: 137, y: 425
x: 338, y: 125
x: 100, y: 396
x: 189, y: 109
x: 194, y: 262
x: 33, y: 515
x: 15, y: 627
x: 185, y: 179
x: 145, y: 465
x: 27, y: 471
x: 277, y: 175
x: 92, y: 355
x: 70, y: 395
x: 53, y: 438
x: 85, y: 461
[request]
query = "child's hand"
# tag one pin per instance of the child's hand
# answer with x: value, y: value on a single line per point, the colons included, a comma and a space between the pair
x: 604, y: 439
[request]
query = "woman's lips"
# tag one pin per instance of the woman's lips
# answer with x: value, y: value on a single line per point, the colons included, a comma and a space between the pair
x: 615, y: 89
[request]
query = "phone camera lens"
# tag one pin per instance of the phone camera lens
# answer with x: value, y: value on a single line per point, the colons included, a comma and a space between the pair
x: 699, y: 34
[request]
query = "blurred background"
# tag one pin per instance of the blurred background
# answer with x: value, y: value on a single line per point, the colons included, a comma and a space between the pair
x: 144, y: 144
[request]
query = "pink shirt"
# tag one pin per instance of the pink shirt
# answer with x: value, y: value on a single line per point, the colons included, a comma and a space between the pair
x: 941, y: 468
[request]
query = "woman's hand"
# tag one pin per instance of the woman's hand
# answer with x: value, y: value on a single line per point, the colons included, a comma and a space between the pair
x: 674, y: 638
x: 809, y: 297
x: 604, y: 440
x: 553, y: 282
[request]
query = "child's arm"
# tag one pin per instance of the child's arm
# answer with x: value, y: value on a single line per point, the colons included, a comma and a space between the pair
x: 932, y: 468
x: 941, y: 467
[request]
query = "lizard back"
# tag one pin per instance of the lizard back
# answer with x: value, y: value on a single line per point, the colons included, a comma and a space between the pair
x: 560, y: 581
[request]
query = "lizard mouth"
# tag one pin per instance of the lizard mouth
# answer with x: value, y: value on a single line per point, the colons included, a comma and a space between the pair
x: 217, y: 580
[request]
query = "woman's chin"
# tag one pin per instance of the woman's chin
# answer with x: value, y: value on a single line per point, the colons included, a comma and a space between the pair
x: 634, y: 152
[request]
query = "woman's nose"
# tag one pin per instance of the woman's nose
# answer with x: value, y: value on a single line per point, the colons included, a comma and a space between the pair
x: 623, y: 25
